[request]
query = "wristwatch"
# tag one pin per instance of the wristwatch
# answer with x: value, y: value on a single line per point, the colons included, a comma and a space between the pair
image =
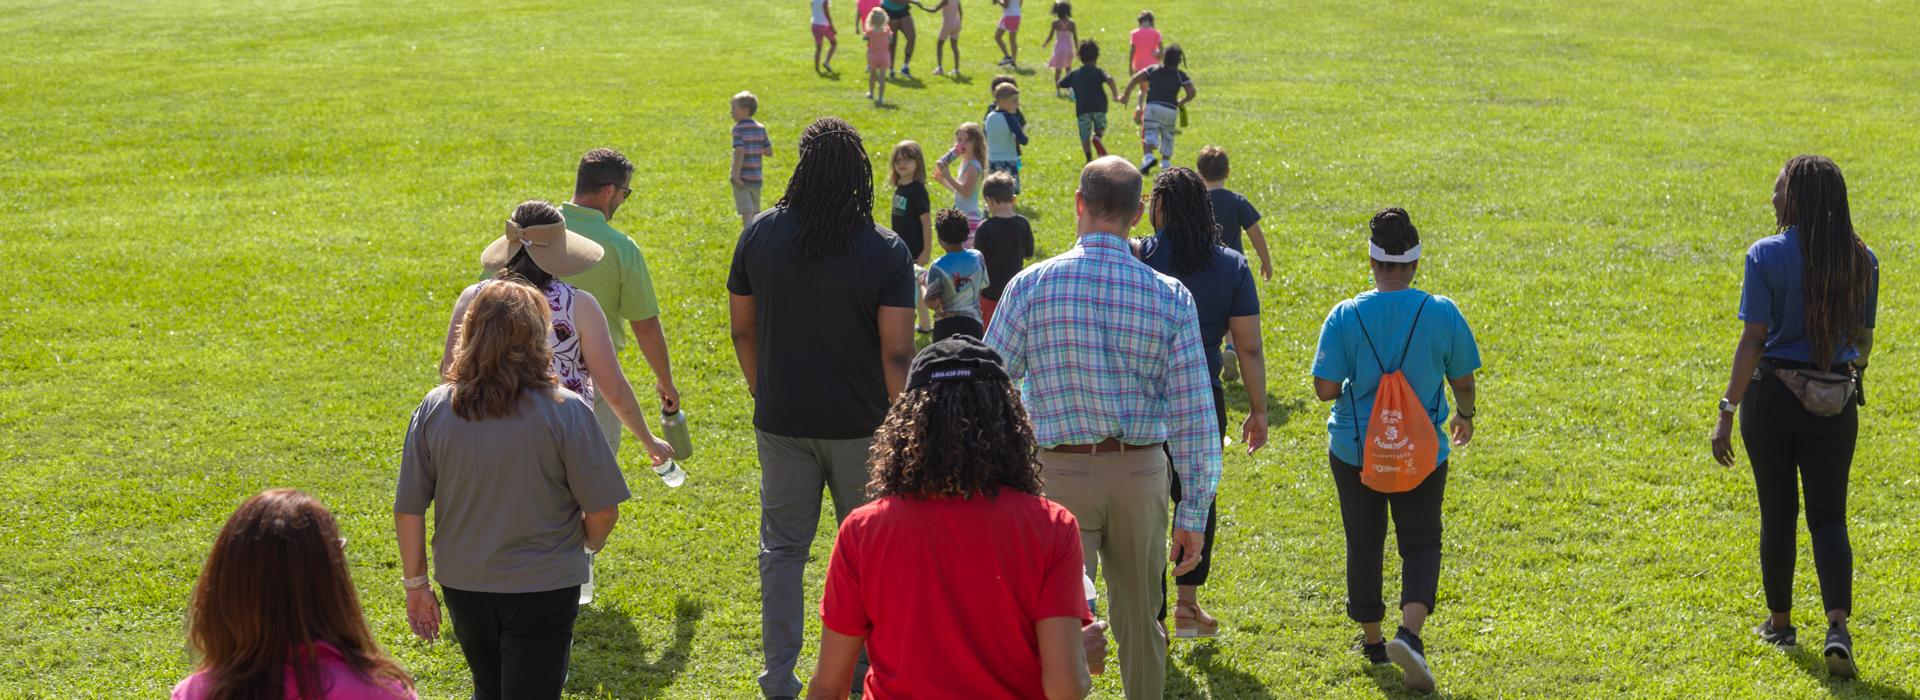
x: 1466, y: 415
x: 1727, y: 406
x: 414, y: 582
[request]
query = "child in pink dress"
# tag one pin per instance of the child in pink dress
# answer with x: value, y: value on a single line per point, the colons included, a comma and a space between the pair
x: 879, y: 55
x: 1065, y: 37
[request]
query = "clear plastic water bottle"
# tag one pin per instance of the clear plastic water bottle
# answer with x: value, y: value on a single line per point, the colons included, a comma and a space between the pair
x: 1094, y: 666
x: 586, y: 590
x: 671, y: 473
x: 673, y: 426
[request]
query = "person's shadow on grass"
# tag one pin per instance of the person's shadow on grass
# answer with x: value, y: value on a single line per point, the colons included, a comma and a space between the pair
x: 1816, y: 666
x: 1223, y: 681
x: 608, y: 652
x: 908, y: 82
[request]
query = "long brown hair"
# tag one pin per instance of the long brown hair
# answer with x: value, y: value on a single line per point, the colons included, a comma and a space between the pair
x: 1838, y: 277
x: 954, y: 439
x: 275, y: 583
x: 502, y: 352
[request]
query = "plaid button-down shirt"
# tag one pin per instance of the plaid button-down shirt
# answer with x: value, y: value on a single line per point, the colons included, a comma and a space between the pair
x: 1104, y: 347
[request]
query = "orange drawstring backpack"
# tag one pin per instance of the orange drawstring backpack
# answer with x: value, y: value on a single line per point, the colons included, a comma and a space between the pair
x: 1397, y: 454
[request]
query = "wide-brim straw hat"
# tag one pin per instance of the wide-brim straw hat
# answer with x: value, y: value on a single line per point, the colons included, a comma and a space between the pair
x: 555, y: 249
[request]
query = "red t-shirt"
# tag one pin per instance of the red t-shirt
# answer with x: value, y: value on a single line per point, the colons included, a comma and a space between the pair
x: 947, y: 592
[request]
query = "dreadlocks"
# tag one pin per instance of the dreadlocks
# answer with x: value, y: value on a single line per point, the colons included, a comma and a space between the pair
x: 955, y: 439
x: 1185, y: 218
x: 1839, y: 272
x: 831, y: 192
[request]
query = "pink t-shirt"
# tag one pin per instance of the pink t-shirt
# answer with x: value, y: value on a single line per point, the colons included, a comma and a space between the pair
x: 1145, y: 40
x: 861, y: 11
x: 339, y: 680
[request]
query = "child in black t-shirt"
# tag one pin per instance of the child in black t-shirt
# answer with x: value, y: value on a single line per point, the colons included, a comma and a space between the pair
x: 912, y: 212
x: 1005, y: 239
x: 1090, y: 99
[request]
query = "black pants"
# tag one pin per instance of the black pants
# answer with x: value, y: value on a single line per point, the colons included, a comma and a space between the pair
x: 1198, y: 576
x: 516, y: 643
x: 1793, y: 449
x: 957, y: 325
x: 1416, y: 522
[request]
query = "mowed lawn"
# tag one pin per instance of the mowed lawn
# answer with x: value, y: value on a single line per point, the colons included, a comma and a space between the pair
x: 230, y: 234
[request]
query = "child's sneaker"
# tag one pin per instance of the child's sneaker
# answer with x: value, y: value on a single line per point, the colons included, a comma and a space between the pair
x: 1839, y: 652
x: 1146, y: 166
x: 1005, y: 61
x: 1407, y: 652
x: 907, y: 71
x: 1098, y: 147
x: 1776, y: 636
x: 939, y: 71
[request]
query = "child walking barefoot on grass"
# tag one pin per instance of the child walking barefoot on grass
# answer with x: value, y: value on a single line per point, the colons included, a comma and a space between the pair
x: 823, y: 31
x: 879, y: 55
x: 1064, y: 37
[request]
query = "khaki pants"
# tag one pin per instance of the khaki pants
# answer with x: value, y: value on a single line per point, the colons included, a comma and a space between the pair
x: 1120, y: 499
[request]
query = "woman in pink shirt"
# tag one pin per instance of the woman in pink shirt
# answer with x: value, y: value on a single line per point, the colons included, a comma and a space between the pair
x: 275, y: 614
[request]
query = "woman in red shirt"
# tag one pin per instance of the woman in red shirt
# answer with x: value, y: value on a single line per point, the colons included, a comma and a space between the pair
x: 959, y: 579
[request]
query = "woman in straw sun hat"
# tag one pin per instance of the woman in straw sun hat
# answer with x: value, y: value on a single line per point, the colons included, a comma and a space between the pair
x: 538, y: 249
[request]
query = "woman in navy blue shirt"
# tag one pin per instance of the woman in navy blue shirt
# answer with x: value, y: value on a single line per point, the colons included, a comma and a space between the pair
x: 1808, y: 302
x: 1186, y: 245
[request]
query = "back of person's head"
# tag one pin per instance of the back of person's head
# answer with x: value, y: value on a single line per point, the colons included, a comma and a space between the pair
x: 1173, y: 56
x: 1184, y: 214
x: 602, y: 167
x: 746, y: 101
x: 502, y: 351
x: 993, y: 86
x: 534, y: 212
x: 1837, y: 273
x: 831, y: 191
x: 1005, y: 91
x: 907, y: 151
x: 1063, y: 9
x: 876, y: 19
x: 1392, y: 230
x: 951, y: 226
x: 275, y: 582
x: 998, y: 187
x: 1110, y: 190
x: 1146, y: 18
x: 1212, y: 164
x: 1089, y: 52
x: 958, y: 430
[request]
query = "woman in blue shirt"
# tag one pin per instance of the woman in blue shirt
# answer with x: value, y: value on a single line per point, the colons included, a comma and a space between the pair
x: 1186, y: 245
x: 1440, y: 352
x: 1808, y: 303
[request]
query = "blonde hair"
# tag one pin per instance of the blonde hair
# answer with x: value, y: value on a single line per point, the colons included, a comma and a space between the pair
x: 747, y: 101
x: 975, y: 137
x: 876, y: 19
x: 502, y: 351
x: 907, y: 150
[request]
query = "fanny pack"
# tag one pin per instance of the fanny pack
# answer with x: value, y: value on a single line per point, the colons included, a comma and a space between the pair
x: 1823, y: 393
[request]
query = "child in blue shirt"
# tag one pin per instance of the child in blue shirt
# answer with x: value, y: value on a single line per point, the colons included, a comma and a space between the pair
x: 955, y: 280
x: 1005, y: 133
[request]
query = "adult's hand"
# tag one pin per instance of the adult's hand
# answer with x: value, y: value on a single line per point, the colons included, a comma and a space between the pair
x: 659, y: 450
x: 1462, y: 430
x: 1094, y: 639
x: 1253, y: 432
x: 1723, y: 440
x: 669, y: 396
x: 1185, y: 553
x: 1266, y: 270
x: 423, y: 613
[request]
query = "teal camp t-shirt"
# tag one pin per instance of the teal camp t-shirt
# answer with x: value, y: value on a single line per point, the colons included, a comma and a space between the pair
x: 1441, y: 348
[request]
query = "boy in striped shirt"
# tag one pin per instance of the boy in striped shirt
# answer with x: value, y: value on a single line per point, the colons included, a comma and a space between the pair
x: 750, y: 144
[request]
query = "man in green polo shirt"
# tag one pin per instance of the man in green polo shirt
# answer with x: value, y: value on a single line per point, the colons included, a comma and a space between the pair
x: 620, y: 281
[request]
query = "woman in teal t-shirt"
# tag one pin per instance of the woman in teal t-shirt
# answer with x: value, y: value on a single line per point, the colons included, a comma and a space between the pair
x: 1360, y: 334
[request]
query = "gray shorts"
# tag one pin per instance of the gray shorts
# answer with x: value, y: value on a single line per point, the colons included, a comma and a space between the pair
x: 746, y: 198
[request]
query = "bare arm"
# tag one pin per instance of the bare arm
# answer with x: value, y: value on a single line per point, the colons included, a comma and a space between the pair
x: 423, y: 608
x: 833, y: 673
x: 926, y: 236
x: 1258, y: 239
x: 1463, y: 397
x: 1063, y: 659
x: 739, y: 159
x: 1126, y: 95
x: 896, y: 346
x: 599, y: 524
x: 1190, y: 93
x: 652, y: 339
x: 1746, y: 358
x: 743, y: 318
x: 1325, y: 389
x: 603, y: 364
x: 1253, y: 372
x: 453, y: 331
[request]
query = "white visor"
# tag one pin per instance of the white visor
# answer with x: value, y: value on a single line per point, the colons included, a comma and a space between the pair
x: 1377, y: 253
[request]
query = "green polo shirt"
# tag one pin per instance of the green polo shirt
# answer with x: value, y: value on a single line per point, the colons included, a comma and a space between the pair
x: 620, y: 281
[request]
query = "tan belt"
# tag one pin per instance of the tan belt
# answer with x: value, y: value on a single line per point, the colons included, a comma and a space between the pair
x: 1104, y: 446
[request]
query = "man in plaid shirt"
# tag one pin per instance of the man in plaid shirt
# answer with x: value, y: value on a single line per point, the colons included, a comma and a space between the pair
x: 1114, y: 377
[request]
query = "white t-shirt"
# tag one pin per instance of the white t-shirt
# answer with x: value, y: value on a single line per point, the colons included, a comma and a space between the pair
x: 820, y: 12
x: 1013, y: 8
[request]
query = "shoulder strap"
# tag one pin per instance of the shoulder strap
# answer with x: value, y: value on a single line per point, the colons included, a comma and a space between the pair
x: 1410, y: 329
x: 1368, y: 337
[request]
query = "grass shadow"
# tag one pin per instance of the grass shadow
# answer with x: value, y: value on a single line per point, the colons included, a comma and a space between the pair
x: 906, y: 82
x: 1815, y: 665
x: 608, y: 649
x: 1224, y: 681
x: 966, y: 79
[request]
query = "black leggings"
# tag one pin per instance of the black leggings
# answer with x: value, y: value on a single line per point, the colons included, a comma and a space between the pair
x: 1793, y: 449
x: 1416, y: 521
x: 1198, y: 576
x: 516, y: 644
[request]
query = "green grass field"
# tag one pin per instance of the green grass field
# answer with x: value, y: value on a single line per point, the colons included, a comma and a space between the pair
x: 230, y: 234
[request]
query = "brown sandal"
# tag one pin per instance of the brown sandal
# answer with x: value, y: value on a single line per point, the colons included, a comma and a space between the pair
x: 1188, y: 625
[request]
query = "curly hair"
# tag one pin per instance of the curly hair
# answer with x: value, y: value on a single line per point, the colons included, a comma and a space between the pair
x: 955, y: 439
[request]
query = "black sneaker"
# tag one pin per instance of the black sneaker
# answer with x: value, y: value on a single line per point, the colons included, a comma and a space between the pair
x: 1410, y: 655
x: 1375, y: 652
x: 1839, y: 652
x: 1778, y: 636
